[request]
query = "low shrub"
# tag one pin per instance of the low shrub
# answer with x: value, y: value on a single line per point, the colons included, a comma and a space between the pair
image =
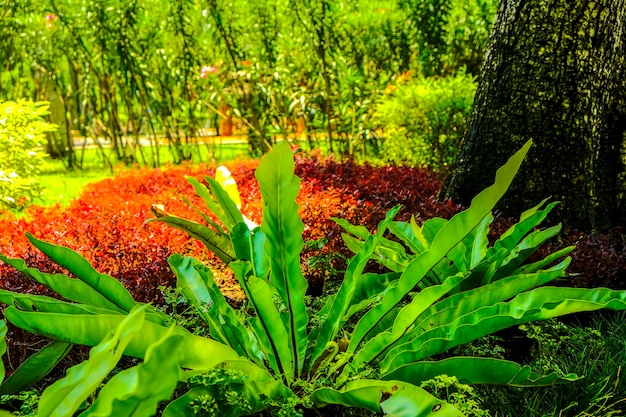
x: 22, y: 130
x: 424, y: 120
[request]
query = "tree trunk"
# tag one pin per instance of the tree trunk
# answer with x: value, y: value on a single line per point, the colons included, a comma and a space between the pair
x: 554, y: 72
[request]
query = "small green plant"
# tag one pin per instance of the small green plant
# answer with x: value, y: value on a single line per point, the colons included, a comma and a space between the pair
x: 489, y: 346
x: 462, y: 396
x: 181, y: 312
x: 555, y: 342
x: 22, y: 130
x: 25, y: 401
x: 375, y: 339
x: 424, y: 120
x: 322, y: 262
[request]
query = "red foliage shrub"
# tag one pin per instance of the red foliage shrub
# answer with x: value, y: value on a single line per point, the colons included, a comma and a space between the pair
x: 106, y: 224
x: 597, y: 261
x: 378, y: 189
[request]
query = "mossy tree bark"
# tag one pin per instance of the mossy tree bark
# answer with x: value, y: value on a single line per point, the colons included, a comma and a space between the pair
x: 554, y: 72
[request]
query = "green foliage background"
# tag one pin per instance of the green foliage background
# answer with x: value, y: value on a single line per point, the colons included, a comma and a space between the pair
x: 149, y: 71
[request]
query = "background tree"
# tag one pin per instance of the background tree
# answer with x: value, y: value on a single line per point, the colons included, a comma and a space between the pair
x: 134, y: 76
x: 554, y: 73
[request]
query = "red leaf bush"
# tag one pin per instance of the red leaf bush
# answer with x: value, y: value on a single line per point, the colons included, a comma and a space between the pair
x: 107, y: 225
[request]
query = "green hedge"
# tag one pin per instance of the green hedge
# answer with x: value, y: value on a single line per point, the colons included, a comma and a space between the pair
x: 424, y: 120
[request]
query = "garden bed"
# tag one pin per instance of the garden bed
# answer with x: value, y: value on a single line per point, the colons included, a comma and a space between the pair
x: 106, y: 224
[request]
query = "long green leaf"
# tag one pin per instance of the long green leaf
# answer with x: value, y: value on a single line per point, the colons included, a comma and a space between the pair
x: 468, y: 370
x: 232, y: 215
x: 283, y: 227
x: 452, y: 307
x: 449, y: 309
x: 340, y: 304
x: 429, y: 230
x: 538, y: 304
x: 259, y: 327
x: 471, y: 251
x: 69, y: 288
x: 195, y: 289
x: 393, y: 398
x: 406, y: 234
x: 405, y: 320
x: 199, y: 286
x: 453, y: 232
x: 371, y: 286
x: 524, y: 250
x: 204, y: 193
x: 359, y: 231
x: 42, y: 303
x: 65, y: 396
x: 36, y: 367
x: 196, y: 352
x: 390, y: 254
x: 216, y: 242
x: 137, y: 391
x: 529, y: 219
x: 543, y: 263
x: 110, y: 288
x: 269, y: 318
x: 249, y: 246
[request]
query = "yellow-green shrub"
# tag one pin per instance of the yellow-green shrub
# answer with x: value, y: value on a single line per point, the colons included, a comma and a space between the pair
x: 424, y: 120
x: 22, y: 130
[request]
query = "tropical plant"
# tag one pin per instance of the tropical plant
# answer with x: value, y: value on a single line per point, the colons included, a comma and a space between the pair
x: 376, y: 336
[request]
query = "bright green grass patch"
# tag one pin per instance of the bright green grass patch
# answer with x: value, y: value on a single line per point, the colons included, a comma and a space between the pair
x: 105, y: 159
x: 61, y: 185
x: 64, y: 186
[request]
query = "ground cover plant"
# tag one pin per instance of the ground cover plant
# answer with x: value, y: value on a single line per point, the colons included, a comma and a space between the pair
x: 272, y: 331
x: 592, y: 345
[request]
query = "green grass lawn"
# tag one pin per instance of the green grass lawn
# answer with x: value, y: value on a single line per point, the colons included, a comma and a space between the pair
x: 62, y: 185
